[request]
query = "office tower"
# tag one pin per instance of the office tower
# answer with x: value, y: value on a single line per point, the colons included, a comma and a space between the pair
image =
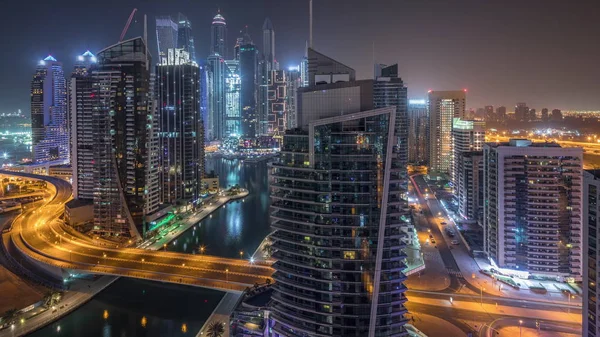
x: 233, y: 112
x: 501, y: 113
x: 181, y: 129
x: 544, y: 115
x: 522, y: 112
x: 489, y: 114
x: 166, y: 35
x: 532, y: 208
x: 204, y: 102
x: 293, y: 82
x: 467, y: 135
x: 49, y: 128
x: 556, y: 115
x: 81, y: 110
x: 444, y: 106
x: 269, y: 43
x: 338, y: 184
x: 218, y: 34
x: 532, y: 115
x: 185, y: 38
x: 248, y: 69
x: 126, y: 151
x: 418, y: 128
x: 591, y: 195
x: 216, y: 97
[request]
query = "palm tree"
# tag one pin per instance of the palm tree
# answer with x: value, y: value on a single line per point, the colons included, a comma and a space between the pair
x: 267, y: 250
x: 9, y: 315
x: 215, y: 329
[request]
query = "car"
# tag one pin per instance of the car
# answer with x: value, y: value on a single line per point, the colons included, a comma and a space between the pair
x: 432, y: 240
x: 431, y: 236
x: 444, y: 223
x: 455, y: 242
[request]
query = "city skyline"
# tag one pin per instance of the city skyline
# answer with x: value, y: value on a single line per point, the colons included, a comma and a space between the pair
x: 490, y: 67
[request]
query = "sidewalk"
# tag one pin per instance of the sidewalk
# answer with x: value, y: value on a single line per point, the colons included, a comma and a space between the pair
x: 434, y: 326
x: 80, y: 292
x: 222, y: 313
x: 501, y: 310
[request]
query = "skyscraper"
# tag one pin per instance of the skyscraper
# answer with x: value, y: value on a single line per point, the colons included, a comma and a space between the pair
x: 444, y: 106
x: 276, y: 120
x: 345, y: 156
x: 185, y: 38
x: 304, y: 69
x: 81, y: 110
x: 216, y: 97
x: 236, y: 49
x: 269, y: 43
x: 126, y: 156
x: 545, y: 116
x: 532, y: 115
x: 49, y: 121
x: 293, y: 82
x: 522, y: 112
x: 591, y: 225
x: 532, y: 209
x: 181, y: 129
x: 489, y: 113
x: 501, y: 113
x: 468, y: 137
x: 418, y: 130
x: 218, y: 34
x: 166, y: 35
x: 248, y: 88
x: 556, y: 115
x: 233, y: 113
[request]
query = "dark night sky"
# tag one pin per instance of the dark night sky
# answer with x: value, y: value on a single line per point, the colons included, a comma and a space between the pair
x: 543, y: 52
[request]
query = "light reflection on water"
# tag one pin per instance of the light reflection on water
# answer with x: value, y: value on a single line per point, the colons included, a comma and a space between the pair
x: 240, y: 226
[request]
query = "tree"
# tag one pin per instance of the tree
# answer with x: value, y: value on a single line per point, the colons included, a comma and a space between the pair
x: 215, y: 329
x: 51, y: 298
x: 9, y: 315
x: 268, y: 281
x: 267, y: 250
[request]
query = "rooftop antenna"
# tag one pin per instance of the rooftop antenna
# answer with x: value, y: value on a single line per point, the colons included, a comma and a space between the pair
x: 310, y: 24
x: 127, y: 24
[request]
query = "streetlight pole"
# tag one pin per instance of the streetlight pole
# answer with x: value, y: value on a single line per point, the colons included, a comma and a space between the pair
x: 520, y: 328
x: 227, y: 275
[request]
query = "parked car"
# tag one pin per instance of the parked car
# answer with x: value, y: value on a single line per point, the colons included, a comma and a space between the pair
x: 432, y: 240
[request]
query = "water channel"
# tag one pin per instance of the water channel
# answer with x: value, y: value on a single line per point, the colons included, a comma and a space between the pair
x: 137, y: 308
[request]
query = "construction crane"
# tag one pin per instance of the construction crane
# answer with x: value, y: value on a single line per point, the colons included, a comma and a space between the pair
x: 127, y: 24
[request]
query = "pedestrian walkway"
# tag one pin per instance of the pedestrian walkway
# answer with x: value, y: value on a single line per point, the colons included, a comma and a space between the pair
x: 434, y: 326
x: 221, y: 313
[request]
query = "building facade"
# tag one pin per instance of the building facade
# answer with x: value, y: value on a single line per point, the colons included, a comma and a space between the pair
x: 591, y: 225
x: 468, y: 187
x: 216, y: 97
x: 218, y: 35
x: 467, y: 136
x: 293, y: 82
x: 532, y: 208
x: 443, y: 106
x: 181, y: 130
x: 248, y: 87
x: 126, y: 156
x: 418, y: 132
x: 166, y: 36
x: 338, y: 189
x: 49, y: 121
x: 233, y: 110
x: 185, y: 37
x: 276, y: 121
x: 81, y: 110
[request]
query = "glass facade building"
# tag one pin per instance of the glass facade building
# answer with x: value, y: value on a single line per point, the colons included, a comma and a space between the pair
x: 126, y: 152
x: 181, y: 131
x: 185, y: 38
x: 49, y: 121
x: 248, y: 77
x: 591, y: 225
x: 233, y: 116
x: 217, y: 71
x: 444, y: 106
x: 218, y: 34
x: 166, y: 36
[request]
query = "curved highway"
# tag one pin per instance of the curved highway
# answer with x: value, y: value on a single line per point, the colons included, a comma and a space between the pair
x: 37, y: 233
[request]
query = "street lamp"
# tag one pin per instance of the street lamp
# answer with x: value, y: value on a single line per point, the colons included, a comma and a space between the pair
x: 165, y: 246
x: 520, y: 327
x: 227, y: 275
x: 241, y: 254
x: 202, y: 248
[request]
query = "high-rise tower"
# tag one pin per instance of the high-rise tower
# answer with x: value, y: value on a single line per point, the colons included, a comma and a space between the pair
x: 126, y: 163
x: 166, y: 35
x: 269, y: 43
x: 49, y: 122
x: 216, y: 70
x: 218, y: 33
x: 248, y: 77
x: 232, y: 123
x: 81, y: 110
x: 444, y: 106
x: 339, y: 209
x: 181, y: 129
x: 185, y: 38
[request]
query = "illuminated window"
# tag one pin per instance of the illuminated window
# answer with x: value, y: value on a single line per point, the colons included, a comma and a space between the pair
x: 349, y: 255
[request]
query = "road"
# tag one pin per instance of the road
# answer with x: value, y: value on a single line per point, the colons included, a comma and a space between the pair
x: 37, y: 233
